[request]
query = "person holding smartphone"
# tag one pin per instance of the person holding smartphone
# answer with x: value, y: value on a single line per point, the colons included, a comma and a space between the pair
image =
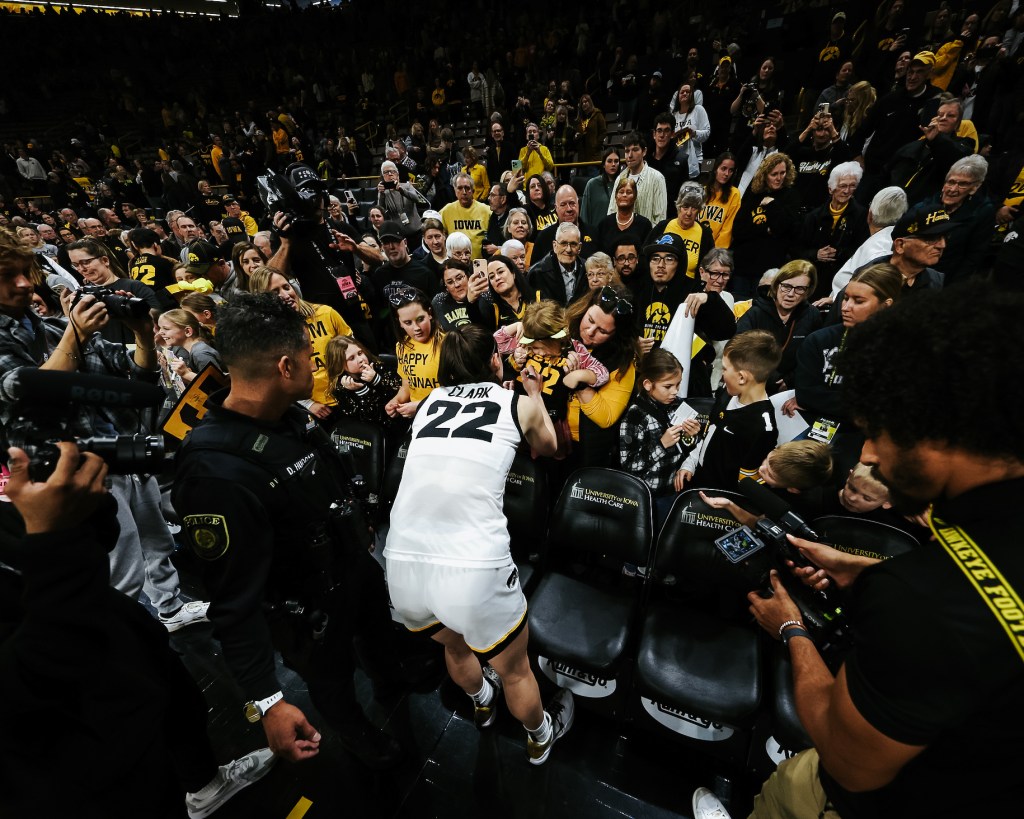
x: 400, y: 201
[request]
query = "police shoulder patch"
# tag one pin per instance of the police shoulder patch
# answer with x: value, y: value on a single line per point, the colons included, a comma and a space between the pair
x: 207, y: 535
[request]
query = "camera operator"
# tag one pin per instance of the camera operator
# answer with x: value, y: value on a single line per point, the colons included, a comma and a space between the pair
x: 97, y: 268
x: 321, y: 258
x: 141, y: 561
x: 259, y: 487
x: 924, y: 718
x: 97, y: 692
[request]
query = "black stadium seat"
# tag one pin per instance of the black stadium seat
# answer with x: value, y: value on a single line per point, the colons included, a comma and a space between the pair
x: 526, y: 509
x: 583, y: 613
x: 698, y: 670
x: 361, y: 446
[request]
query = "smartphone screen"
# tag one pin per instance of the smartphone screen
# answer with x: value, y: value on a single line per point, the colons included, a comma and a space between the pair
x: 739, y: 544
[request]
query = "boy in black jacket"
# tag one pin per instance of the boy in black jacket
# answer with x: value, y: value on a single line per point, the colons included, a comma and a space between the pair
x: 742, y: 430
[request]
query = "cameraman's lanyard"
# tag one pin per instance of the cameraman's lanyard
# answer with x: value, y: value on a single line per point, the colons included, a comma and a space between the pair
x: 1000, y: 597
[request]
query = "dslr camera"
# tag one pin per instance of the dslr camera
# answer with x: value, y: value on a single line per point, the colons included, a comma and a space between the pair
x: 766, y: 546
x: 118, y: 306
x: 48, y: 409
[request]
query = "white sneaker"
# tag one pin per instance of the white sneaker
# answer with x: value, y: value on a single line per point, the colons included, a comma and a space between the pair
x: 559, y: 714
x: 230, y: 779
x: 708, y: 806
x: 193, y: 612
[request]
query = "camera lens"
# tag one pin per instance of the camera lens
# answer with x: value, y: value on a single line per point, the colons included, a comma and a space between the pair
x: 125, y: 454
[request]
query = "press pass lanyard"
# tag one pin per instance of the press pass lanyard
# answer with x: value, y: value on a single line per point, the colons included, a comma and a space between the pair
x: 1001, y: 598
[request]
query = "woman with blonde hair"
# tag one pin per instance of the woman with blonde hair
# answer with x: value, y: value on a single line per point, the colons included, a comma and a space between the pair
x: 783, y: 308
x: 323, y: 323
x: 766, y: 224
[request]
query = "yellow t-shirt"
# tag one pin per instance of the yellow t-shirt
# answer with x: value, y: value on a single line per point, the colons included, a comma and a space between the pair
x: 481, y: 184
x: 472, y: 221
x: 691, y: 238
x: 719, y: 216
x: 323, y: 325
x: 417, y: 364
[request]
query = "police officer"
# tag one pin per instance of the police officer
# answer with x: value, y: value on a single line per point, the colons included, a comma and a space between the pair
x: 255, y: 485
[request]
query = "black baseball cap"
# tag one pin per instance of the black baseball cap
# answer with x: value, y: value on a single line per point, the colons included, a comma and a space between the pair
x: 667, y: 243
x: 922, y: 222
x: 201, y: 255
x: 390, y: 230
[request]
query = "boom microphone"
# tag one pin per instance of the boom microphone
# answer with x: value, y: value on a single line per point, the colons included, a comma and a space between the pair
x: 53, y: 387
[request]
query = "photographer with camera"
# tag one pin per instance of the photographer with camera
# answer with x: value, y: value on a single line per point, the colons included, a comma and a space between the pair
x: 314, y: 254
x: 933, y: 680
x: 266, y: 503
x: 99, y: 693
x: 141, y: 561
x: 103, y: 278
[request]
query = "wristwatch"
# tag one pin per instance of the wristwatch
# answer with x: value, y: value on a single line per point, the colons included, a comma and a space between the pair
x: 255, y: 710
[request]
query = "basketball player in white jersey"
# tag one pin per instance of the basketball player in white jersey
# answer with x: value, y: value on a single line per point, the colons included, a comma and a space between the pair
x: 450, y: 572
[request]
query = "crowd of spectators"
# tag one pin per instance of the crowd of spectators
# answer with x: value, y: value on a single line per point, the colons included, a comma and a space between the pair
x: 573, y: 189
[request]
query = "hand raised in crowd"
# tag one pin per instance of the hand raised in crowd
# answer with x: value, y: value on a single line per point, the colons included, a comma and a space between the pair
x: 646, y: 345
x: 67, y: 498
x: 476, y: 287
x: 283, y: 225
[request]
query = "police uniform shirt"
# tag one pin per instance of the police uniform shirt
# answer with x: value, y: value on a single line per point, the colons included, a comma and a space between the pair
x: 472, y: 432
x: 250, y: 494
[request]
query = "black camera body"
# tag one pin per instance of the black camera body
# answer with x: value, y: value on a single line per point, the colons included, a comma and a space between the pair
x: 298, y: 193
x: 822, y: 611
x: 46, y: 412
x: 118, y: 306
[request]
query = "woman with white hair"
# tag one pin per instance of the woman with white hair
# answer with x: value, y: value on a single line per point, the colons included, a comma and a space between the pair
x: 697, y: 236
x: 832, y: 232
x: 973, y: 214
x: 400, y: 201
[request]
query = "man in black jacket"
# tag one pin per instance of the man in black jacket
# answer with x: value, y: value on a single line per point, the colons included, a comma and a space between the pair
x: 560, y: 275
x: 896, y: 120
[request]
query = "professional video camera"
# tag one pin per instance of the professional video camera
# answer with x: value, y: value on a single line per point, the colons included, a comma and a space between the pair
x: 46, y: 411
x: 298, y: 193
x: 118, y: 306
x: 822, y: 612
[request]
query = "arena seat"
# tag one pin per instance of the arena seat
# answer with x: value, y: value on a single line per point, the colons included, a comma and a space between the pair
x: 361, y: 446
x: 393, y: 476
x: 583, y: 614
x: 526, y: 509
x: 698, y: 670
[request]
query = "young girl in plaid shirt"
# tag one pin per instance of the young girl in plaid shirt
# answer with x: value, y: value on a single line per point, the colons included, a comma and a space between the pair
x: 650, y: 446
